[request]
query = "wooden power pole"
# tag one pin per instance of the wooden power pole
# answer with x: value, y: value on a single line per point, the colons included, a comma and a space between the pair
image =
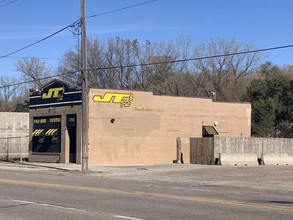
x: 84, y: 89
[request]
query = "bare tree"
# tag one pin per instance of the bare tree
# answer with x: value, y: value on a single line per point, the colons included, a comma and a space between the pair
x: 224, y: 75
x: 11, y: 94
x: 95, y: 62
x: 34, y: 70
x: 70, y: 67
x: 128, y: 64
x: 7, y: 87
x: 109, y: 64
x: 161, y: 74
x: 174, y: 74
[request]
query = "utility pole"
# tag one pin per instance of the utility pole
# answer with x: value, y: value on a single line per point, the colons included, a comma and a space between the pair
x: 84, y: 89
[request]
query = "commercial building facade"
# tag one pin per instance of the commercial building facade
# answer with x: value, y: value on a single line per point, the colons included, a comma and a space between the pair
x: 55, y: 123
x: 126, y: 127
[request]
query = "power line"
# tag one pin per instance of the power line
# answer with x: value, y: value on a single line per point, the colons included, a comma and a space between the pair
x: 157, y: 63
x: 176, y: 61
x: 40, y: 58
x: 72, y: 27
x: 196, y: 58
x: 39, y: 41
x: 121, y: 9
x: 40, y: 79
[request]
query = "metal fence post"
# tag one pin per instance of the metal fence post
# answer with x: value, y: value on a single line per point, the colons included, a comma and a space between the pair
x: 7, y: 148
x: 20, y: 145
x: 178, y: 145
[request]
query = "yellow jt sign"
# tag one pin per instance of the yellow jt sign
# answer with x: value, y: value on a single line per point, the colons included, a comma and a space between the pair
x: 54, y: 93
x: 123, y: 98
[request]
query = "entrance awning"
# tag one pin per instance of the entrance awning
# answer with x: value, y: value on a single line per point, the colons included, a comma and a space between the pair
x: 210, y: 130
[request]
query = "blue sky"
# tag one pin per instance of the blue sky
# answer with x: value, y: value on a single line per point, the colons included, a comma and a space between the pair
x: 266, y: 23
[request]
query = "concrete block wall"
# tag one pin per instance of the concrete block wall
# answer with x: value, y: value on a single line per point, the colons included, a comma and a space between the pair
x: 277, y: 145
x: 14, y: 131
x: 237, y: 145
x: 258, y: 146
x: 203, y: 148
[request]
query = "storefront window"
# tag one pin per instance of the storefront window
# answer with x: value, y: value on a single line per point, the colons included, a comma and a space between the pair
x: 46, y: 134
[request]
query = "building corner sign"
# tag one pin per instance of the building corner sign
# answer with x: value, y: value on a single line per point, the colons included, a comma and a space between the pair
x: 54, y: 93
x: 124, y: 99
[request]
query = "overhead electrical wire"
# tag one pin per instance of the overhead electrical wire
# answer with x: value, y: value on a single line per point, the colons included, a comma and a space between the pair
x: 157, y: 63
x: 40, y: 58
x: 121, y: 9
x: 73, y: 26
x: 44, y: 78
x: 197, y: 58
x: 32, y: 44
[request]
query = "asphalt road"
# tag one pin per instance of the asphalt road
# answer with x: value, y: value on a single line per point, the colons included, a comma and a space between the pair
x: 191, y: 192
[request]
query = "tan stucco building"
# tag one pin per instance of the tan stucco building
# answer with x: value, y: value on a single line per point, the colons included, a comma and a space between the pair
x: 126, y: 127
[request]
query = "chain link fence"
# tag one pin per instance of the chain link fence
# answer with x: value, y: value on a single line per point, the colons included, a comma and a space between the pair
x: 14, y: 148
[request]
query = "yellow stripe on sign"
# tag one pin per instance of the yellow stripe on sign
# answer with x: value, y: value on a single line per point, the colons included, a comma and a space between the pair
x: 51, y: 132
x: 48, y: 132
x: 34, y: 133
x: 37, y: 132
x: 154, y: 195
x: 54, y: 131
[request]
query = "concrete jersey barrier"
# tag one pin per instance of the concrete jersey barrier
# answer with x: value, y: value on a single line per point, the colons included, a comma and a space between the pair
x: 238, y: 159
x: 277, y: 159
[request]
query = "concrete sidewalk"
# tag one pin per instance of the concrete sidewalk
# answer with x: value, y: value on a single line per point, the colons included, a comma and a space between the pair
x: 107, y: 169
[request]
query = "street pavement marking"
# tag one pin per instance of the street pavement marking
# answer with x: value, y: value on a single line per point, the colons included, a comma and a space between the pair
x: 156, y: 195
x: 126, y: 217
x: 49, y: 205
x: 69, y: 208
